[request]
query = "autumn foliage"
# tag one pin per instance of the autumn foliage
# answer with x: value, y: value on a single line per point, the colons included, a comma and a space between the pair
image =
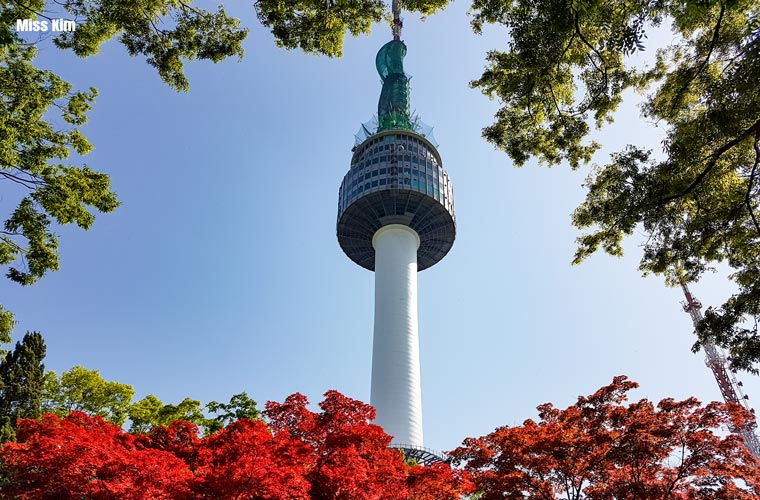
x: 335, y: 454
x: 602, y: 449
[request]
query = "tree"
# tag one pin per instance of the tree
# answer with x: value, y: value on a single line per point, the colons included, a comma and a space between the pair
x: 319, y: 28
x: 697, y: 199
x: 80, y: 456
x: 335, y: 454
x: 150, y: 412
x: 351, y: 458
x: 240, y: 406
x: 244, y: 460
x: 21, y: 383
x: 602, y: 449
x: 83, y: 390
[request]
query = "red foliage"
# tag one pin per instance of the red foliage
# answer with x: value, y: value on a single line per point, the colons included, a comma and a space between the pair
x: 438, y: 481
x: 601, y: 449
x: 351, y: 457
x: 85, y: 457
x: 336, y: 454
x: 244, y: 460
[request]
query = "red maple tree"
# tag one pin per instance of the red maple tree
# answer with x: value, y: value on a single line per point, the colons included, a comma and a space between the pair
x: 335, y: 454
x: 351, y: 458
x: 84, y: 457
x: 602, y: 449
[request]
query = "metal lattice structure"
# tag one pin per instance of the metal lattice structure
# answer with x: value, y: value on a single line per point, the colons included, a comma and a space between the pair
x: 730, y: 386
x: 420, y: 454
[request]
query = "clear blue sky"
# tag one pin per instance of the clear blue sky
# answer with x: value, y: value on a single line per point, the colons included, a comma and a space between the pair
x: 221, y: 272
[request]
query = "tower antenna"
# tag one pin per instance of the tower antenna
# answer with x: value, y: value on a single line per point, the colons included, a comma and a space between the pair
x: 397, y: 22
x: 730, y: 387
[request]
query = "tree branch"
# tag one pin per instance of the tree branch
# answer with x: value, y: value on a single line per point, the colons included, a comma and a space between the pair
x: 598, y: 54
x: 701, y: 68
x: 747, y: 197
x: 27, y: 183
x: 754, y: 129
x: 26, y: 7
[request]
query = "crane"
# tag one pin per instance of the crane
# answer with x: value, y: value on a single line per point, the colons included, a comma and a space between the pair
x: 730, y: 386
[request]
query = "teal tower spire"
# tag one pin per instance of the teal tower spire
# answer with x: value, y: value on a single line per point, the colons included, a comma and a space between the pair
x: 393, y: 108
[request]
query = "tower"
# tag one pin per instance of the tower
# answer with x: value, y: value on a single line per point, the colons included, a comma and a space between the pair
x: 396, y: 217
x: 730, y: 387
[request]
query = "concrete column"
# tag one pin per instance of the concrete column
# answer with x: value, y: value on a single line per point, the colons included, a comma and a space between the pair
x: 396, y: 391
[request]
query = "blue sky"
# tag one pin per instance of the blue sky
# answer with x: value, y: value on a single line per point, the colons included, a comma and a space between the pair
x: 221, y: 271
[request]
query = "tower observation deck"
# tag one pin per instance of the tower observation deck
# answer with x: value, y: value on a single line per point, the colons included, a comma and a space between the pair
x: 396, y: 217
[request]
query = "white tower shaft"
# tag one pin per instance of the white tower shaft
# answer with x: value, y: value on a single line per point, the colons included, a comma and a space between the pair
x: 396, y: 392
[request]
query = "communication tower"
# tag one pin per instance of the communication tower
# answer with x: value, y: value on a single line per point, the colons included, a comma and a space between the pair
x: 396, y: 217
x: 730, y: 386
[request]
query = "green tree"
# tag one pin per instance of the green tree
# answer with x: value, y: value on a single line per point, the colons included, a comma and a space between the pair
x: 569, y: 62
x: 317, y: 27
x: 85, y: 390
x: 21, y: 383
x: 150, y: 412
x: 240, y: 406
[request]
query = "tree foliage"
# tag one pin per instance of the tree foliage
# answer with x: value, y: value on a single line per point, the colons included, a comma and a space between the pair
x: 317, y: 27
x: 600, y: 448
x: 79, y: 456
x: 335, y: 454
x: 569, y: 62
x: 239, y: 407
x: 150, y: 412
x: 83, y: 390
x: 21, y: 383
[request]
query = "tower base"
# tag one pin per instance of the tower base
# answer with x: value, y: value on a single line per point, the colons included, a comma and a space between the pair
x: 421, y: 455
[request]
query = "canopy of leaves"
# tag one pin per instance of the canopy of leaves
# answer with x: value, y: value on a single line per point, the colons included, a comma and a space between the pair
x: 150, y: 412
x: 601, y: 448
x: 83, y: 390
x: 239, y: 407
x: 319, y: 27
x: 335, y: 454
x: 568, y: 62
